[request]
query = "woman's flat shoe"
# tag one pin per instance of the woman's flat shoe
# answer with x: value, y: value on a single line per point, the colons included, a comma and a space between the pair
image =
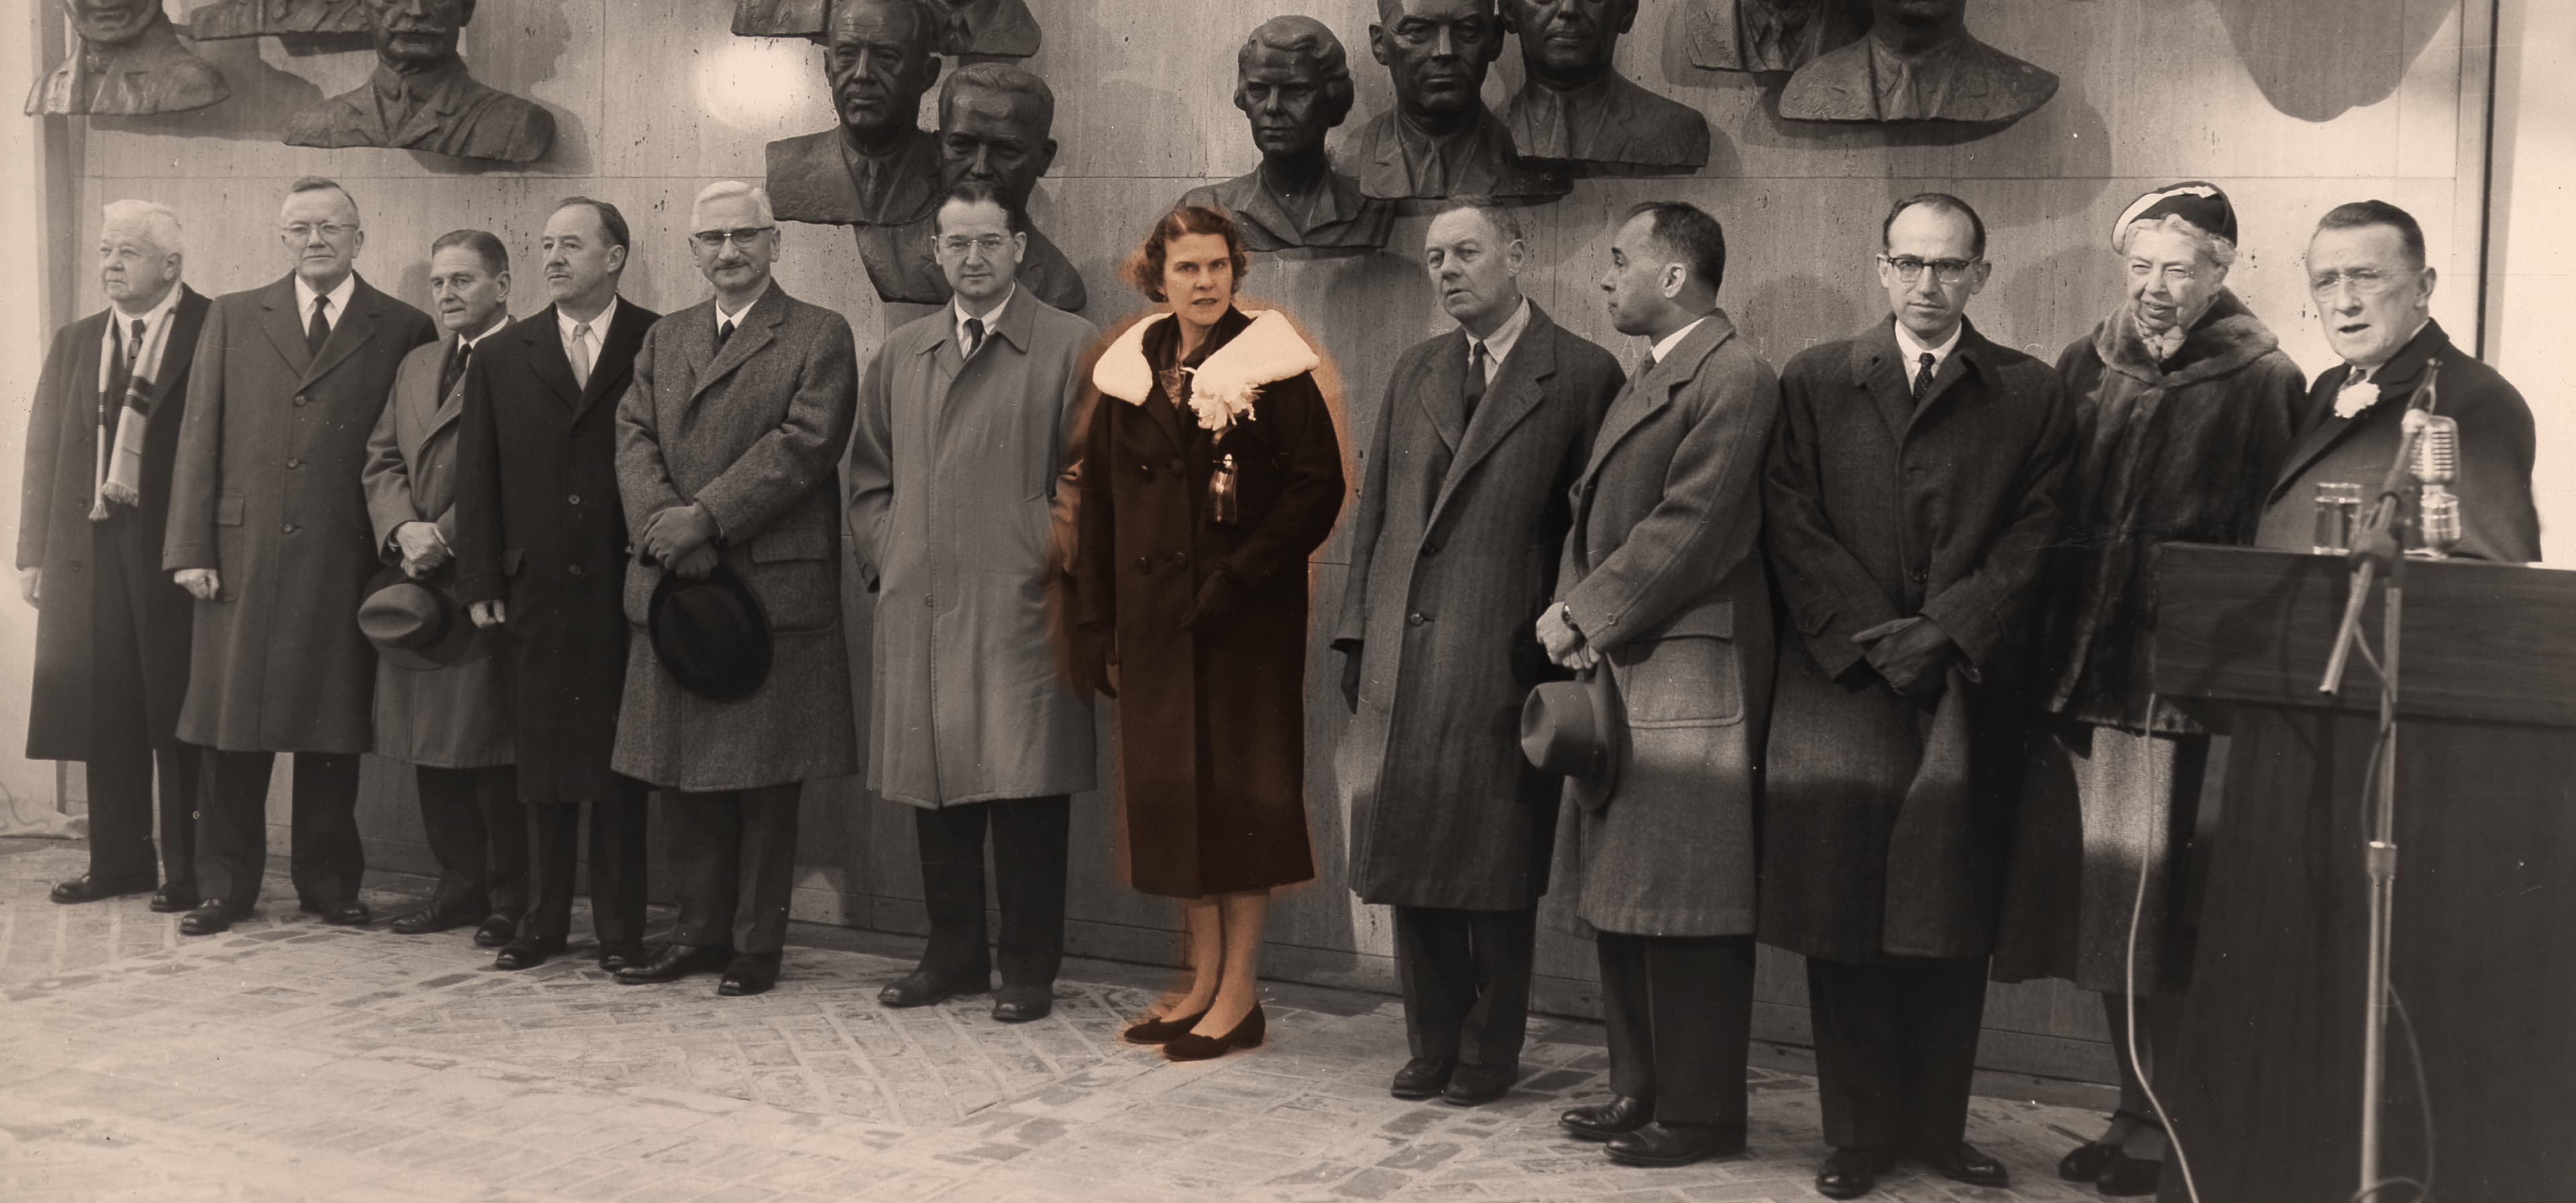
x: 2087, y: 1162
x: 1158, y: 1031
x: 1190, y: 1046
x: 2129, y: 1177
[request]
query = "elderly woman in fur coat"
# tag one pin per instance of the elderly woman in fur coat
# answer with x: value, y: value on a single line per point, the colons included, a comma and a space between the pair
x: 1209, y: 473
x: 2185, y: 407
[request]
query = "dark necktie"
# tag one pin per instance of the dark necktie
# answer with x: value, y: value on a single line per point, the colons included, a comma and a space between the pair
x: 454, y: 370
x: 1475, y: 391
x: 319, y: 332
x: 724, y: 330
x: 1923, y: 377
x: 974, y: 336
x: 961, y: 39
x: 120, y: 376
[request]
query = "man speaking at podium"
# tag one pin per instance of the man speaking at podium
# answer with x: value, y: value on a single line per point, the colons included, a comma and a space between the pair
x: 2264, y: 1091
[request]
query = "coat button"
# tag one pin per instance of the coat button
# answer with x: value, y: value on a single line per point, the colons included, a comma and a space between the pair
x: 1417, y: 618
x: 1431, y: 549
x: 293, y: 462
x: 1144, y: 564
x: 299, y: 398
x: 289, y: 528
x: 929, y: 601
x: 1918, y: 576
x: 574, y: 569
x: 1145, y: 470
x: 1180, y: 557
x: 574, y: 499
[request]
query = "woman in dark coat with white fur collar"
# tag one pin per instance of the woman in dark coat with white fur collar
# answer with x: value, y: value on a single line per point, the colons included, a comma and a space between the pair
x: 2185, y: 406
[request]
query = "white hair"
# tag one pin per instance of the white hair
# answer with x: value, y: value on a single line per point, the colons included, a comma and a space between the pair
x: 155, y: 221
x: 727, y: 190
x: 2219, y: 252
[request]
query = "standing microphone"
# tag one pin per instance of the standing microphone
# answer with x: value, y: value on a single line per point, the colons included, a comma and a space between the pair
x: 2375, y: 542
x: 2437, y: 464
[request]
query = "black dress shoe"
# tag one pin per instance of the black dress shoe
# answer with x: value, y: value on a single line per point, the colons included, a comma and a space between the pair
x: 171, y: 900
x: 1604, y: 1121
x: 86, y: 888
x: 672, y: 962
x: 1159, y: 1031
x: 1964, y: 1162
x: 2130, y: 1177
x: 2085, y: 1164
x: 1659, y: 1146
x: 750, y: 973
x: 211, y: 918
x: 1851, y: 1173
x: 1190, y: 1046
x: 344, y: 912
x: 620, y: 956
x: 496, y: 930
x: 1476, y: 1085
x: 528, y: 953
x: 922, y: 988
x: 430, y: 919
x: 1022, y: 1004
x: 1423, y: 1077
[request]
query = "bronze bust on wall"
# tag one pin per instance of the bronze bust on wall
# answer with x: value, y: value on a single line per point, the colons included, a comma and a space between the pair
x: 1769, y: 35
x: 995, y: 122
x: 283, y: 18
x: 1917, y: 63
x: 1440, y: 140
x: 777, y: 19
x: 130, y: 62
x: 983, y: 28
x: 421, y: 98
x: 1293, y: 82
x: 1575, y: 107
x: 878, y: 166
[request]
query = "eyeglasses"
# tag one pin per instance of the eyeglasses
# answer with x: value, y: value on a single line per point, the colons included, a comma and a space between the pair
x: 2368, y: 282
x: 303, y: 231
x: 958, y: 244
x: 745, y: 236
x: 1948, y: 271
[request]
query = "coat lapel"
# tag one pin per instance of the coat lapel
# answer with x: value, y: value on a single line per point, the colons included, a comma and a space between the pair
x: 1440, y: 394
x: 285, y: 329
x: 1652, y: 389
x: 177, y: 349
x: 1969, y: 355
x: 614, y: 366
x: 1878, y: 368
x: 1518, y: 389
x: 758, y: 328
x: 544, y: 340
x: 355, y: 327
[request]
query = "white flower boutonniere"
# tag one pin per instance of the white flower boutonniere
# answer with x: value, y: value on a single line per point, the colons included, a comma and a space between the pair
x: 2352, y: 399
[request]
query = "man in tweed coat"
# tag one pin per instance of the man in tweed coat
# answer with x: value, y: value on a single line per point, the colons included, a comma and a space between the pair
x: 727, y: 445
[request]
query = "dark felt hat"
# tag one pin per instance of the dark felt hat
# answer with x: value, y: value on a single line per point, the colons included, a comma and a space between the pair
x: 710, y: 634
x: 416, y: 624
x: 1579, y: 730
x: 2196, y: 201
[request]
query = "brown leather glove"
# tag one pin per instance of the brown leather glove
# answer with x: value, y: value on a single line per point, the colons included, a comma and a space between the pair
x: 1221, y: 596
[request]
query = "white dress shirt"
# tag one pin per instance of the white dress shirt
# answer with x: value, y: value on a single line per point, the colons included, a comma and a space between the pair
x: 339, y: 294
x: 565, y: 325
x: 958, y: 318
x: 1498, y: 345
x: 1664, y: 346
x: 156, y: 335
x: 1914, y: 349
x: 734, y: 318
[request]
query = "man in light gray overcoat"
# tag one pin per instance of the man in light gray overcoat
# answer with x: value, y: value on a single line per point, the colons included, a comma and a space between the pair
x: 451, y: 723
x: 1462, y: 515
x: 956, y: 508
x: 727, y: 444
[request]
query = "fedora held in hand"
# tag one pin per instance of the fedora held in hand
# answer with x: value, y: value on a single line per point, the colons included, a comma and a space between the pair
x: 415, y: 624
x: 711, y: 634
x: 1578, y: 729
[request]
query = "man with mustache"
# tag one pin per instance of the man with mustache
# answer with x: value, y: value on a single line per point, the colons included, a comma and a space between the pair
x: 1440, y: 139
x: 878, y: 168
x: 994, y: 121
x: 1293, y: 80
x: 131, y: 62
x: 420, y: 97
x: 1577, y: 107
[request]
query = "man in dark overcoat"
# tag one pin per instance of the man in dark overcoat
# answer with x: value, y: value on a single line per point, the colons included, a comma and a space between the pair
x: 728, y: 441
x: 111, y: 631
x: 1662, y: 587
x: 451, y: 722
x: 269, y: 532
x: 1478, y: 443
x: 1910, y: 492
x: 541, y: 555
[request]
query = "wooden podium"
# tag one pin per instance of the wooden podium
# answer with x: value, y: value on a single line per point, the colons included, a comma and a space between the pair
x: 2265, y: 1089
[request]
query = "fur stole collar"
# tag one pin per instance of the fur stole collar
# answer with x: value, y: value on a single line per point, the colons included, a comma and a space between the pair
x: 1224, y: 386
x: 2227, y: 338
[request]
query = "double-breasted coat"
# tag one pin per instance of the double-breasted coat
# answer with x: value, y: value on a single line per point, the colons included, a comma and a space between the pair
x: 1663, y: 574
x: 1454, y: 552
x: 960, y: 516
x: 540, y: 528
x: 455, y: 717
x: 56, y: 535
x: 751, y: 431
x: 1211, y: 723
x: 1886, y: 819
x: 266, y: 493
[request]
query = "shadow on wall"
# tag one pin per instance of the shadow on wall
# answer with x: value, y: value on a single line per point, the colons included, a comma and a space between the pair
x: 2315, y: 59
x: 262, y: 100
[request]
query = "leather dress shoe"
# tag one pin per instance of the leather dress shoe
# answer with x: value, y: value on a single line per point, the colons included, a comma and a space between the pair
x: 211, y: 918
x: 750, y: 973
x: 171, y: 900
x: 528, y: 953
x: 672, y: 962
x: 1851, y: 1173
x: 1659, y: 1146
x: 2130, y: 1177
x: 1022, y: 1004
x: 496, y: 930
x: 1159, y: 1031
x: 1604, y: 1121
x: 1964, y: 1162
x: 86, y: 888
x: 344, y: 912
x: 620, y: 956
x: 922, y: 988
x: 2086, y: 1163
x: 1423, y: 1077
x: 435, y: 917
x: 1190, y: 1046
x: 1476, y: 1085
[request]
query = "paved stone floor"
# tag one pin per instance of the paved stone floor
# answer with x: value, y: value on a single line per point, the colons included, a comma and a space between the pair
x: 289, y: 1061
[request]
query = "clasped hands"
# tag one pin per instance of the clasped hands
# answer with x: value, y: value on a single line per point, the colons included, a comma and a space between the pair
x: 1913, y: 654
x: 681, y: 539
x: 1565, y: 646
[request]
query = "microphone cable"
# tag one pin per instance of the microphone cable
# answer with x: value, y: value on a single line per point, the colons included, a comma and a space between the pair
x: 2129, y: 972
